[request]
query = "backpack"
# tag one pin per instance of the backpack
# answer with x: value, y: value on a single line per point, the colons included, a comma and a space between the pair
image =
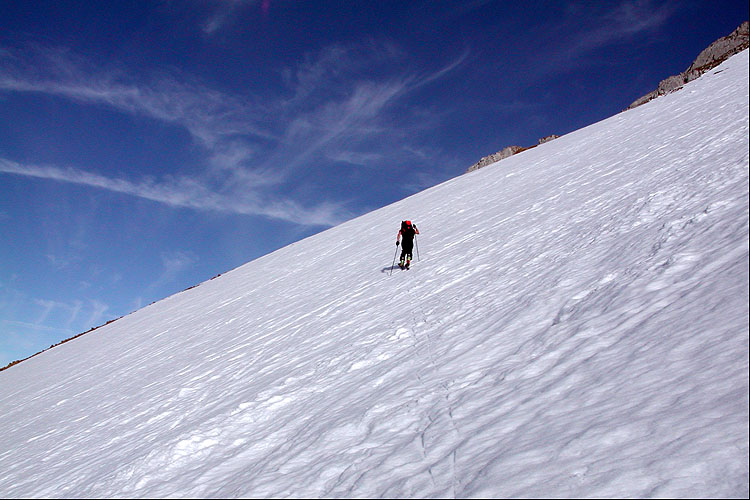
x: 407, y: 229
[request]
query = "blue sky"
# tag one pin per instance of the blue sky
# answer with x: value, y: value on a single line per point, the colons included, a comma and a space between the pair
x: 148, y: 146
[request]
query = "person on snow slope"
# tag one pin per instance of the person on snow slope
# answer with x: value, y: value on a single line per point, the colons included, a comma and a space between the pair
x: 407, y: 232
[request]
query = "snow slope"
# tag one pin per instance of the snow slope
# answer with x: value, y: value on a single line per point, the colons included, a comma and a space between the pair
x: 576, y: 326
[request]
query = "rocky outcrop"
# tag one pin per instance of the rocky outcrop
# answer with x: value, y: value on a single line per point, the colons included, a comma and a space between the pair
x: 716, y: 53
x: 500, y: 155
x: 506, y: 152
x: 548, y: 138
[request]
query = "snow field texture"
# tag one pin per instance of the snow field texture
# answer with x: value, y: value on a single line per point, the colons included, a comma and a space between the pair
x: 576, y: 325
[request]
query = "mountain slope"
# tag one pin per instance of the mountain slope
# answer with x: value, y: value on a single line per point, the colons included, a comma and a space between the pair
x: 576, y: 326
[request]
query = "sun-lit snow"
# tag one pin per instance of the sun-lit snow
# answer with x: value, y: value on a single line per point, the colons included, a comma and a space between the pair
x: 576, y: 326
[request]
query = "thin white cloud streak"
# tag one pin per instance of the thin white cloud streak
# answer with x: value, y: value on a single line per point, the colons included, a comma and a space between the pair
x: 47, y: 307
x: 46, y: 310
x: 75, y: 310
x: 209, y: 116
x: 354, y: 117
x: 223, y: 14
x: 624, y: 21
x: 585, y: 29
x: 185, y: 192
x: 330, y: 71
x: 37, y: 327
x: 355, y: 158
x: 97, y: 313
x: 358, y: 115
x: 443, y: 71
x: 173, y: 264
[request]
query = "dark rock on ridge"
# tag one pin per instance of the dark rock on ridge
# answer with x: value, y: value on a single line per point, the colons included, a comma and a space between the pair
x: 716, y: 53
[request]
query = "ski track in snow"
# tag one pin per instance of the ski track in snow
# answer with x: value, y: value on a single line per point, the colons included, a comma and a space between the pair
x: 575, y: 326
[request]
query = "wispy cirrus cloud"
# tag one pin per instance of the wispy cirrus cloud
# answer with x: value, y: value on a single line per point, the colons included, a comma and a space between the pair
x: 36, y: 327
x: 95, y: 309
x: 173, y: 263
x: 330, y: 125
x: 98, y: 309
x: 621, y: 22
x: 51, y: 316
x: 209, y: 116
x: 331, y: 71
x: 224, y: 126
x: 335, y: 106
x: 186, y: 192
x: 223, y: 12
x: 584, y: 28
x: 359, y: 113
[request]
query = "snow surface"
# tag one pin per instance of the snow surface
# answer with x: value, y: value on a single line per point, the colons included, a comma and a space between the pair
x: 576, y: 326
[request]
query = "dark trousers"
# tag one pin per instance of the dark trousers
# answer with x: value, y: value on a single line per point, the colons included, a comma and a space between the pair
x: 406, y: 248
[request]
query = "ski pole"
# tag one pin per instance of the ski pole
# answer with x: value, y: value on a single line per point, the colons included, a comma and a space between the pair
x: 394, y: 261
x: 416, y: 243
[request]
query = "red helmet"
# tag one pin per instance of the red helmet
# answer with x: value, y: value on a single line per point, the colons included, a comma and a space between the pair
x: 408, y: 223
